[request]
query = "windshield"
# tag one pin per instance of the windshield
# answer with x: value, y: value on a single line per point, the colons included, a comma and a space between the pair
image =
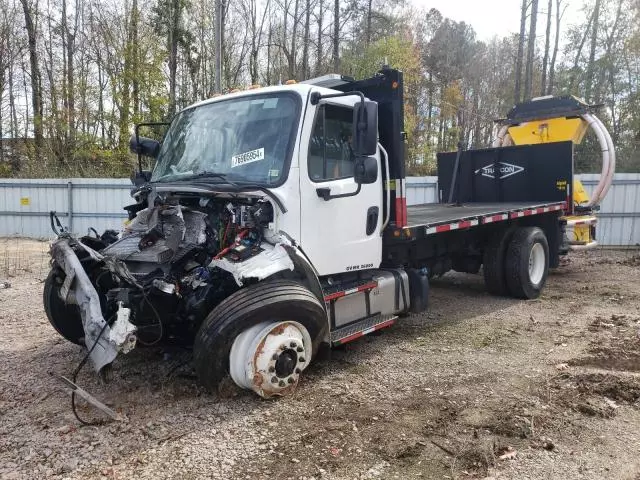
x: 243, y: 140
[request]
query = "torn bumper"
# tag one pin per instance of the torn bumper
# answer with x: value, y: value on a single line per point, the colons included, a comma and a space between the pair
x: 103, y: 341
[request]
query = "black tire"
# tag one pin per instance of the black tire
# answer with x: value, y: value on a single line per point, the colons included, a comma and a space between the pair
x: 64, y: 318
x: 268, y: 301
x: 493, y: 262
x: 517, y: 271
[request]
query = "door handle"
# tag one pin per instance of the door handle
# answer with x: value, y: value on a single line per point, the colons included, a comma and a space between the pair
x: 325, y: 193
x: 372, y: 219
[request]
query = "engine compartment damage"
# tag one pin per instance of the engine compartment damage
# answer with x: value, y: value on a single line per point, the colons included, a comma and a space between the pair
x: 159, y: 278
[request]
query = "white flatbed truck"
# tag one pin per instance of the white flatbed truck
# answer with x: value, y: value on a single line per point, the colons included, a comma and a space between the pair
x: 275, y: 220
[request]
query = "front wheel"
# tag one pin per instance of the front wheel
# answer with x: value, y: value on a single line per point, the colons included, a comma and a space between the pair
x: 527, y: 262
x: 264, y: 335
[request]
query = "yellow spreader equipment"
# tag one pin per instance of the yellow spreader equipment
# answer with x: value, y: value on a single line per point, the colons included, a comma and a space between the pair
x: 562, y: 119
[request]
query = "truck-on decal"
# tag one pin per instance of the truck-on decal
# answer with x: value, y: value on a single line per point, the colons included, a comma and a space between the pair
x: 247, y: 157
x: 504, y: 169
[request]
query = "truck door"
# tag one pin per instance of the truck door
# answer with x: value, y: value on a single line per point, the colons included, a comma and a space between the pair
x: 338, y: 234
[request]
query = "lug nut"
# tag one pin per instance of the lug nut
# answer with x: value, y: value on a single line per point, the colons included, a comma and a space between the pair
x: 293, y: 344
x: 290, y: 380
x: 274, y: 356
x: 301, y: 359
x: 282, y: 384
x: 299, y: 349
x: 272, y: 369
x: 298, y: 370
x: 274, y: 379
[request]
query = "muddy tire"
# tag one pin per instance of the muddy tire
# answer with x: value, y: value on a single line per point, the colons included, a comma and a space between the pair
x: 270, y: 301
x: 493, y: 263
x: 64, y: 318
x: 527, y: 263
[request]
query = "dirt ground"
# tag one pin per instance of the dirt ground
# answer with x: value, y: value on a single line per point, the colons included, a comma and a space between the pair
x: 478, y: 387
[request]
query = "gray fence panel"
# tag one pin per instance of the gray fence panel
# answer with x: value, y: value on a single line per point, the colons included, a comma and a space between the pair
x: 93, y: 202
x: 98, y: 202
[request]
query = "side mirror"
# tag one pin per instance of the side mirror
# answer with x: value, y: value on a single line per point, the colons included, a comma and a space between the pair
x: 144, y: 146
x: 365, y: 170
x: 365, y: 128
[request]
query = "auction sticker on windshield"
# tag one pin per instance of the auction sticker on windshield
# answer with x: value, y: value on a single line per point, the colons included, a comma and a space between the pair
x: 247, y: 157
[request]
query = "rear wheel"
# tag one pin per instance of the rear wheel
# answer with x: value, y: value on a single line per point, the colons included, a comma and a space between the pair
x: 527, y: 262
x: 64, y: 318
x: 493, y: 262
x: 264, y: 335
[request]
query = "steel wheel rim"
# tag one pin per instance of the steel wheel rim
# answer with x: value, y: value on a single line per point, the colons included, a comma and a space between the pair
x: 269, y: 357
x: 536, y: 263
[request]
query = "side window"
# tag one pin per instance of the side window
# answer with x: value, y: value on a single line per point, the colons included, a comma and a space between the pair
x: 330, y: 149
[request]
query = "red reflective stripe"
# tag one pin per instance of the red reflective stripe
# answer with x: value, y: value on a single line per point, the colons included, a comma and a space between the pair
x: 464, y: 224
x: 366, y: 286
x: 366, y: 331
x: 400, y: 222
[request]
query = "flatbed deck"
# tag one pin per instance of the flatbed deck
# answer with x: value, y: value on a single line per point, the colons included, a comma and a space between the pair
x: 441, y: 217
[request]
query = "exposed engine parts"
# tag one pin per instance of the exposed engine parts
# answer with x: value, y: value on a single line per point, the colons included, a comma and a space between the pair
x: 170, y: 266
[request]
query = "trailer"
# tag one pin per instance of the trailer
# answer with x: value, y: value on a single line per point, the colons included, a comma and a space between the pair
x: 275, y: 220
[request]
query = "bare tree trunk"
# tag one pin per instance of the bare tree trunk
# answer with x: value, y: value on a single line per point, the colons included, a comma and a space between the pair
x: 135, y: 77
x: 319, y: 42
x: 54, y: 134
x: 369, y: 5
x: 547, y: 41
x: 305, y: 48
x: 336, y: 36
x: 592, y: 52
x: 531, y: 50
x: 173, y: 53
x: 101, y: 104
x: 520, y: 57
x: 64, y: 127
x: 71, y: 105
x: 294, y: 38
x: 253, y: 56
x: 36, y: 82
x: 26, y: 95
x: 552, y: 66
x: 269, y: 39
x: 430, y: 106
x: 13, y: 126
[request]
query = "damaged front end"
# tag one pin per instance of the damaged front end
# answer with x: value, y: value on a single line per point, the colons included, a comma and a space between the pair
x: 104, y: 341
x: 161, y: 276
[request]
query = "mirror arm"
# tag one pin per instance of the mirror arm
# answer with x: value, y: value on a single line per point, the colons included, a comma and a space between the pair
x: 317, y: 96
x: 325, y: 193
x: 137, y: 134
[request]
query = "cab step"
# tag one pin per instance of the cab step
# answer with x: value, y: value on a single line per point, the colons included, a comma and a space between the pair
x: 360, y: 328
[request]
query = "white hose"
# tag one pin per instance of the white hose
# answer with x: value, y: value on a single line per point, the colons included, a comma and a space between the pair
x: 388, y: 189
x: 501, y: 133
x: 612, y: 161
x: 607, y: 148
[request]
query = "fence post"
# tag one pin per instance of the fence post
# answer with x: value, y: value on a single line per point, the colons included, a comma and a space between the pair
x: 70, y: 205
